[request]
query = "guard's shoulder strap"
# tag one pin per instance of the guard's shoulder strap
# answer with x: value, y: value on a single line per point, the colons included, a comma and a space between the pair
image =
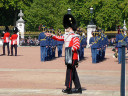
x: 76, y: 35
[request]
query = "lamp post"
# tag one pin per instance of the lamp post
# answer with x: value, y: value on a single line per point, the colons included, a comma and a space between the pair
x: 90, y: 28
x: 123, y: 72
x: 91, y: 11
x: 69, y: 11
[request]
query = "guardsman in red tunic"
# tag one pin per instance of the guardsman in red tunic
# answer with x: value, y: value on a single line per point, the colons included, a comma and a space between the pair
x: 6, y: 40
x: 71, y: 41
x: 14, y: 41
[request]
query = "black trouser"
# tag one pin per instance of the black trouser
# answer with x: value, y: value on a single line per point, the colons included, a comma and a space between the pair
x: 71, y: 74
x: 15, y: 46
x: 7, y: 48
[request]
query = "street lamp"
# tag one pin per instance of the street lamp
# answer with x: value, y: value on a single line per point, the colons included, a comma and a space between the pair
x: 69, y: 11
x: 91, y: 11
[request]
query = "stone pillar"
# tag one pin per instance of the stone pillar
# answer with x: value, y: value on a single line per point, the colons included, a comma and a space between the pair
x: 90, y: 28
x: 21, y: 26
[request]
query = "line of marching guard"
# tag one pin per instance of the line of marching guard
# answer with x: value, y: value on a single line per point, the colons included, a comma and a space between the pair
x: 83, y: 44
x: 48, y: 46
x: 98, y: 43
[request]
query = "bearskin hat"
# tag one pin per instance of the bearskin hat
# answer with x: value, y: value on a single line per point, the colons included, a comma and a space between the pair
x: 69, y: 21
x: 6, y: 29
x: 15, y: 30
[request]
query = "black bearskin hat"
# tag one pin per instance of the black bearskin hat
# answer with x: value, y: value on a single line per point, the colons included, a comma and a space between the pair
x: 69, y: 21
x: 6, y: 29
x: 15, y: 30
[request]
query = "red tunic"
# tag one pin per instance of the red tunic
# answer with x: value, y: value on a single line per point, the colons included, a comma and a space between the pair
x: 14, y: 39
x: 71, y: 40
x: 6, y: 37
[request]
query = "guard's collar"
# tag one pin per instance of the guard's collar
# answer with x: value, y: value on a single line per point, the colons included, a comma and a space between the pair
x: 67, y: 33
x: 71, y: 32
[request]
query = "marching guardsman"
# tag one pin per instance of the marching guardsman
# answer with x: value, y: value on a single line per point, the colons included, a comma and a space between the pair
x: 119, y: 39
x: 83, y: 43
x: 14, y: 41
x: 43, y: 44
x: 60, y: 45
x: 54, y: 44
x: 48, y: 47
x: 72, y: 45
x: 6, y: 40
x: 104, y: 42
x: 94, y: 46
x: 99, y: 49
x: 116, y: 48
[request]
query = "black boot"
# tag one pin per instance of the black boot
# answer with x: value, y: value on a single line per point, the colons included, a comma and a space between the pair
x: 2, y: 54
x: 67, y: 90
x: 79, y: 90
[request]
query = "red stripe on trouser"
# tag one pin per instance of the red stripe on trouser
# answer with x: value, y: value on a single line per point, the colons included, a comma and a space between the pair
x: 71, y: 76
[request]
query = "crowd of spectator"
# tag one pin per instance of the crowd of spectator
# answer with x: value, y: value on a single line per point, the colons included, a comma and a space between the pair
x: 112, y: 42
x: 29, y: 42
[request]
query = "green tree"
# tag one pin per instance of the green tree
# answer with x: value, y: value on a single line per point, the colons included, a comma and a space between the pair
x: 82, y: 12
x: 123, y: 5
x: 48, y: 13
x: 11, y: 9
x: 107, y: 13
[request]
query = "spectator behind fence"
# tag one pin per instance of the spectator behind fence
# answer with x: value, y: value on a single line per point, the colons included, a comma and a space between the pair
x: 29, y: 42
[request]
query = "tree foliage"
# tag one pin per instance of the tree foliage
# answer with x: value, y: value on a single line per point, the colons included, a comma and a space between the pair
x: 9, y: 10
x: 108, y: 14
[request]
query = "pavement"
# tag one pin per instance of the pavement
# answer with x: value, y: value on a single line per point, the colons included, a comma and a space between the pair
x: 26, y: 75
